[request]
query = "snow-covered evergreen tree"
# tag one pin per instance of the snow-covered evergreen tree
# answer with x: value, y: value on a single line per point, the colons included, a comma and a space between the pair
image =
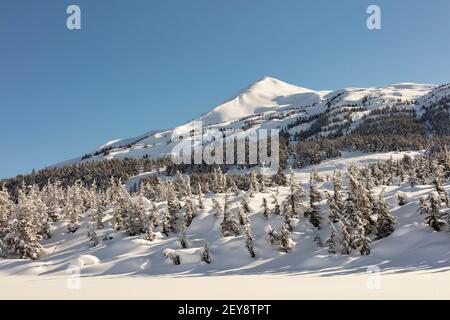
x: 7, y: 208
x: 189, y: 211
x: 74, y: 206
x: 217, y: 207
x: 200, y: 195
x: 294, y: 200
x: 332, y: 242
x: 3, y: 249
x: 149, y: 234
x: 23, y: 239
x: 313, y: 211
x: 431, y: 207
x: 244, y: 205
x: 92, y: 235
x: 122, y: 207
x: 365, y: 246
x: 136, y: 217
x: 385, y: 220
x: 276, y: 211
x: 265, y: 208
x: 286, y: 243
x: 229, y: 227
x: 183, y: 237
x: 166, y: 222
x: 249, y: 240
x: 205, y: 256
x: 154, y: 215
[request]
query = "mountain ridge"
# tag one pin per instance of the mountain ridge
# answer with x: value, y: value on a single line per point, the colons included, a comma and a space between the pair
x: 270, y: 103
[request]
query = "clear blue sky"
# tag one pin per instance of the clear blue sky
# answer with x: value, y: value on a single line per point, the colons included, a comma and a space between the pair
x: 144, y: 64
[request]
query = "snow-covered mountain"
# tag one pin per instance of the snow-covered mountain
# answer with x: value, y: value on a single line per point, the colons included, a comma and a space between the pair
x: 270, y: 103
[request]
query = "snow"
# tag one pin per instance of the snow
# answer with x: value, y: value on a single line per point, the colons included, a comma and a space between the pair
x: 414, y: 285
x: 86, y: 260
x: 413, y: 251
x: 264, y: 95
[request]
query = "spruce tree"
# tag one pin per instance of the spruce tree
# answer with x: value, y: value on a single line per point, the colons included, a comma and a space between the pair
x: 229, y: 226
x: 23, y: 240
x: 265, y: 208
x: 286, y: 243
x: 200, y: 200
x: 276, y: 208
x: 7, y: 208
x: 217, y: 207
x: 149, y: 235
x: 92, y: 235
x: 136, y: 217
x: 249, y: 240
x: 332, y: 242
x: 205, y: 256
x: 244, y: 204
x: 430, y: 206
x: 365, y: 246
x: 166, y: 222
x: 313, y: 211
x: 154, y: 215
x: 183, y: 237
x: 385, y: 220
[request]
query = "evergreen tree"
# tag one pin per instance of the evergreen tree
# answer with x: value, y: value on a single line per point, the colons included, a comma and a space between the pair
x: 205, y: 257
x: 229, y: 226
x: 294, y: 200
x: 243, y: 217
x: 276, y: 208
x: 249, y: 240
x: 265, y: 208
x: 313, y: 212
x: 280, y: 178
x: 23, y: 240
x: 273, y: 235
x: 244, y: 204
x: 365, y: 246
x: 3, y: 249
x: 99, y: 208
x: 430, y: 206
x: 200, y: 200
x: 155, y: 215
x: 7, y: 208
x: 92, y: 235
x: 149, y: 235
x: 286, y: 243
x: 166, y: 222
x: 385, y: 220
x: 217, y: 207
x: 136, y: 217
x: 74, y: 206
x: 189, y: 213
x: 183, y: 238
x: 332, y: 242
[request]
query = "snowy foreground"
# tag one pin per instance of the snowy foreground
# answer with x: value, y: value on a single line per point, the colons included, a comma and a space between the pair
x: 411, y: 285
x: 413, y: 262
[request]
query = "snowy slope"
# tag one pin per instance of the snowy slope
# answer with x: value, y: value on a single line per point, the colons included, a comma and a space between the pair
x: 270, y: 103
x: 267, y: 94
x: 412, y: 247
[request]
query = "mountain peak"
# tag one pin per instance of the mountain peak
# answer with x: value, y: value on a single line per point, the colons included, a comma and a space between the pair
x: 263, y: 95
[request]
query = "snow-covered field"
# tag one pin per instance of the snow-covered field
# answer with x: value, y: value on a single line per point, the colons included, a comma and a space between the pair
x: 413, y: 262
x: 411, y: 285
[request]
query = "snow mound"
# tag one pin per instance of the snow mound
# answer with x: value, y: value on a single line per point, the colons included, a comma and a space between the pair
x: 87, y: 260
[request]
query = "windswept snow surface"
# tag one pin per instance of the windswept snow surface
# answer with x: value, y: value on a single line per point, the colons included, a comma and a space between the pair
x: 412, y: 249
